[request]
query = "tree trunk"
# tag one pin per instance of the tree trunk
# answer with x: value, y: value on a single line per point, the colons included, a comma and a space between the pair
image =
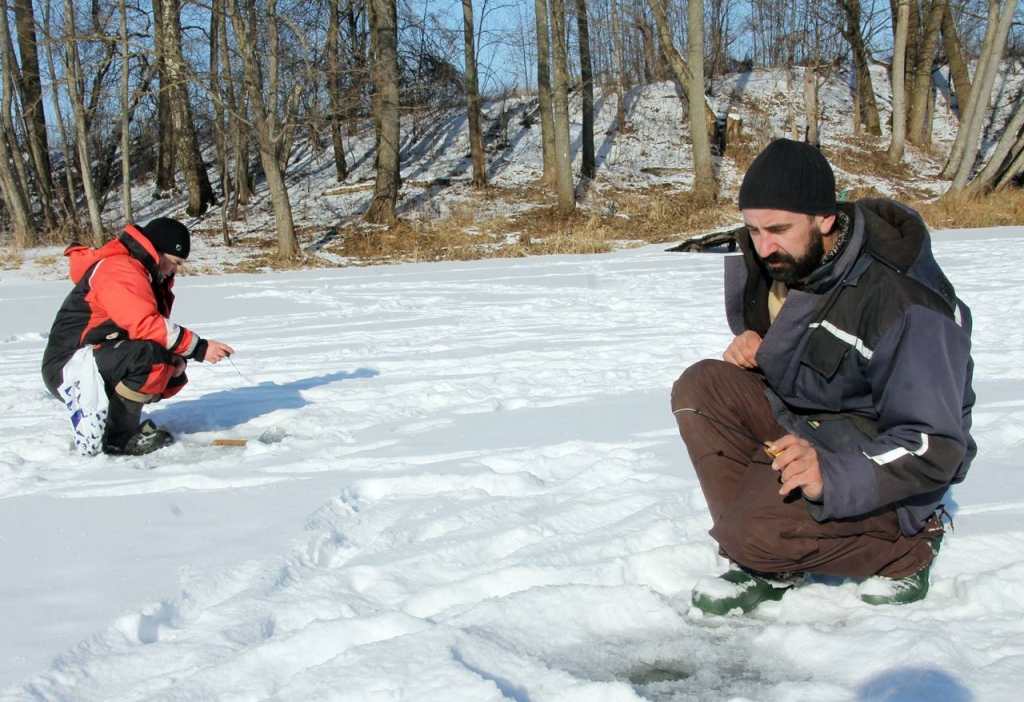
x: 862, y: 63
x: 197, y: 180
x: 384, y: 41
x: 960, y: 76
x: 701, y: 118
x: 705, y: 186
x: 899, y: 80
x: 217, y: 35
x: 560, y: 110
x: 13, y: 185
x: 165, y: 149
x: 237, y: 124
x: 126, y: 169
x: 1012, y: 169
x: 66, y: 199
x: 354, y: 13
x: 588, y: 168
x: 476, y: 134
x: 334, y: 88
x: 811, y: 104
x: 919, y: 110
x: 33, y: 111
x: 966, y: 146
x: 858, y: 108
x: 1010, y: 141
x: 620, y: 101
x: 547, y: 126
x: 265, y: 122
x: 73, y: 71
x: 678, y: 66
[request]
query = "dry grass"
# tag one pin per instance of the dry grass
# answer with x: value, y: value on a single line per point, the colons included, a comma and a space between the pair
x: 612, y: 219
x: 1005, y: 208
x: 11, y: 258
x: 868, y: 156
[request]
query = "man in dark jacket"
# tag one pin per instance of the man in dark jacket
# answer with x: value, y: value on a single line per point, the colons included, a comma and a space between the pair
x: 113, y: 347
x: 841, y: 414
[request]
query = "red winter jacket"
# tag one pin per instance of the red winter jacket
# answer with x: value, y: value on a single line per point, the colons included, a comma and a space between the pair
x: 115, y: 297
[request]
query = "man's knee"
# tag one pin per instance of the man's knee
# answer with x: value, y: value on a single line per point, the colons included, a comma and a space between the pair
x: 137, y: 370
x: 755, y: 543
x: 695, y: 382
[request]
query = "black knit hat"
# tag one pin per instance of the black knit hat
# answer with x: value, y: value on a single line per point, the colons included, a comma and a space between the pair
x: 169, y: 236
x: 792, y: 176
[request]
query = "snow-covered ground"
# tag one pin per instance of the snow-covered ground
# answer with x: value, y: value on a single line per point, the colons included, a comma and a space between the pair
x: 463, y: 482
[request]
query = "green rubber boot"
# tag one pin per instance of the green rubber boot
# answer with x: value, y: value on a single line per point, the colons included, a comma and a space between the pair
x: 880, y: 590
x: 739, y: 590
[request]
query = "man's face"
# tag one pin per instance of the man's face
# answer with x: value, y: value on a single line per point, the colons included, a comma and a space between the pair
x: 791, y: 244
x: 169, y: 266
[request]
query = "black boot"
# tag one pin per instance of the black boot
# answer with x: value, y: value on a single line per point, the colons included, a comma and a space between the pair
x: 125, y: 435
x: 147, y: 439
x: 123, y: 417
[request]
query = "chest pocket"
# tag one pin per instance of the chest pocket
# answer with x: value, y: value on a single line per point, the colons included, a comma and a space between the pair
x: 820, y: 379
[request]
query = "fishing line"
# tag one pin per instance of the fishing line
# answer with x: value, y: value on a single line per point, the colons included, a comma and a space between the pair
x: 736, y: 430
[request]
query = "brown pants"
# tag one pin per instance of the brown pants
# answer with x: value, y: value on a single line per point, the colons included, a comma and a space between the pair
x: 753, y: 524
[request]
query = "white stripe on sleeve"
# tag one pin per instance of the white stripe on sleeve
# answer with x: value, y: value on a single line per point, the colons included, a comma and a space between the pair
x: 890, y: 456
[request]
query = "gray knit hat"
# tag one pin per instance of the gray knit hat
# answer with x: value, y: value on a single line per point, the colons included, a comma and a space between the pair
x: 792, y: 176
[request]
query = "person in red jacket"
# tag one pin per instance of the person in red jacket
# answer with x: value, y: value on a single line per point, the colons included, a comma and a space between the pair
x: 113, y: 346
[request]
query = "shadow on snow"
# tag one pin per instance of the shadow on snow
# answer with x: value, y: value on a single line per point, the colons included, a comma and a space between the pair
x: 229, y: 408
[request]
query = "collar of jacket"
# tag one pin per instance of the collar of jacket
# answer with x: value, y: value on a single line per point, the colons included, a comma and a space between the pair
x: 142, y: 250
x: 898, y: 237
x: 824, y: 278
x: 890, y: 232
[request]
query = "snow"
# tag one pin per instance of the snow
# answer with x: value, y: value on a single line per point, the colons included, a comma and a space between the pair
x: 463, y: 482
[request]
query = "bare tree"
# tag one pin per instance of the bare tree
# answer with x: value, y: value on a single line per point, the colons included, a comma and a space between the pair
x: 862, y: 65
x: 267, y: 125
x: 1005, y: 161
x: 966, y: 146
x: 73, y: 72
x: 588, y: 168
x: 126, y: 191
x: 705, y: 185
x: 218, y: 36
x: 560, y: 110
x: 919, y: 109
x: 476, y: 135
x: 13, y: 181
x: 33, y: 111
x: 334, y: 89
x: 165, y: 150
x: 547, y: 127
x: 691, y: 77
x: 718, y: 23
x: 384, y: 43
x: 193, y: 170
x: 620, y: 71
x: 358, y: 35
x: 951, y: 46
x: 899, y: 78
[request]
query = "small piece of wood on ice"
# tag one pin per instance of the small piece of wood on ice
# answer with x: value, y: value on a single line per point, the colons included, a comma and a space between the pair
x: 229, y: 442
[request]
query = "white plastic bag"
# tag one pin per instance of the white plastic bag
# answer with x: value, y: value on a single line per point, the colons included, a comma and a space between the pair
x: 86, y: 399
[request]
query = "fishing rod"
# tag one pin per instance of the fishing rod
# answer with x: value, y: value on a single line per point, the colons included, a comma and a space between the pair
x: 767, y: 445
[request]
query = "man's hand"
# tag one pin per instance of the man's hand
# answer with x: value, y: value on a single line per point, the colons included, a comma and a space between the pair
x: 217, y: 351
x: 797, y: 461
x: 742, y: 350
x: 179, y: 365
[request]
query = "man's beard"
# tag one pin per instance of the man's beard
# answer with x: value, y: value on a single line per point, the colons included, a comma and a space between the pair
x: 789, y: 270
